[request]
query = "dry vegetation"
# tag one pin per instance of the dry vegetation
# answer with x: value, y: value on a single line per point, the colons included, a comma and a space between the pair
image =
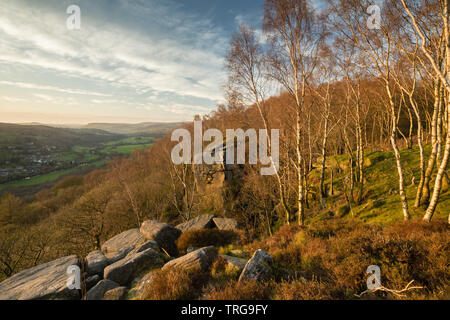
x: 206, y: 237
x: 175, y: 284
x: 326, y: 261
x: 363, y: 178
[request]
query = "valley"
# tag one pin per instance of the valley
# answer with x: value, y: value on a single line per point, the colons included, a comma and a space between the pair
x: 36, y: 156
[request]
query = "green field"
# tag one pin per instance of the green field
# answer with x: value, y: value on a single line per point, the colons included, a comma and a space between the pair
x: 124, y: 149
x: 49, y: 177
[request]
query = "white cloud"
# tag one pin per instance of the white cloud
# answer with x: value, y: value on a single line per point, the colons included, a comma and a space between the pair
x: 51, y: 88
x: 183, y: 57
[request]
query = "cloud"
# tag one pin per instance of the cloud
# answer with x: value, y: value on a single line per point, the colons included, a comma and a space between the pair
x: 153, y: 46
x: 51, y: 88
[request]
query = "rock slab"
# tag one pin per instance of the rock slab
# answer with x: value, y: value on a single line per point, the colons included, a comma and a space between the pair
x: 96, y: 262
x: 201, y: 222
x: 259, y: 267
x: 164, y: 234
x: 99, y: 290
x: 226, y: 224
x: 44, y: 282
x: 125, y: 270
x: 235, y: 262
x: 123, y: 243
x: 199, y: 259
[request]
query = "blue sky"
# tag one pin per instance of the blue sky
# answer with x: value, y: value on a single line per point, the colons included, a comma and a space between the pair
x: 132, y: 60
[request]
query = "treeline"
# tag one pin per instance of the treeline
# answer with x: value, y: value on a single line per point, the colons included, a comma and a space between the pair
x: 335, y: 89
x: 351, y: 69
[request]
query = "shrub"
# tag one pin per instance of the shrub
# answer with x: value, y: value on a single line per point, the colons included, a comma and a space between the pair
x: 245, y: 290
x: 302, y: 290
x: 68, y: 182
x: 279, y: 240
x: 205, y: 237
x: 334, y: 255
x: 343, y: 210
x: 175, y: 284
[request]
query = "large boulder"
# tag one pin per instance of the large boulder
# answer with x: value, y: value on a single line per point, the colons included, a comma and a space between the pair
x: 125, y: 270
x: 92, y: 281
x: 122, y: 244
x: 95, y: 263
x: 164, y: 234
x: 44, y: 282
x: 226, y: 224
x: 199, y: 259
x: 201, y: 222
x: 235, y: 262
x: 114, y: 257
x: 259, y: 267
x: 99, y: 290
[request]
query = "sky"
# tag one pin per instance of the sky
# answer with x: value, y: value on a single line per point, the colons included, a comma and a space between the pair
x: 130, y: 61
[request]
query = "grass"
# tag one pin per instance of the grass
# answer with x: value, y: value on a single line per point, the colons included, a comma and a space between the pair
x: 131, y: 141
x: 49, y: 177
x: 125, y: 149
x: 382, y: 204
x: 66, y: 156
x: 93, y: 155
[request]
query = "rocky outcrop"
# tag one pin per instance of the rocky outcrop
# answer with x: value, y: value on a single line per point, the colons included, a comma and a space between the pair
x: 139, y: 284
x: 92, y: 281
x: 46, y: 281
x: 201, y: 222
x: 122, y: 259
x: 119, y: 246
x: 125, y: 270
x: 147, y: 245
x: 164, y: 234
x: 116, y: 294
x: 235, y: 262
x: 99, y: 290
x: 259, y: 267
x: 199, y: 259
x: 95, y: 263
x: 226, y: 224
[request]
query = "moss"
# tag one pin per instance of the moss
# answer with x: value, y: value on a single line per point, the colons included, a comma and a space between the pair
x: 342, y: 211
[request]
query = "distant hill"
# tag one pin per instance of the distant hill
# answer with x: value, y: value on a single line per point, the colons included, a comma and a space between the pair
x: 16, y: 135
x: 154, y: 128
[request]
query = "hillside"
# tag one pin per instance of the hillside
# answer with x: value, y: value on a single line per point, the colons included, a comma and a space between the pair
x: 154, y: 128
x: 22, y: 135
x: 33, y: 157
x: 325, y: 259
x: 380, y: 203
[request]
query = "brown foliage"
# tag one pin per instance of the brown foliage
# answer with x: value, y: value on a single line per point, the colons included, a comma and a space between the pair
x: 205, y: 237
x: 332, y: 257
x: 175, y: 284
x: 245, y: 290
x: 302, y: 290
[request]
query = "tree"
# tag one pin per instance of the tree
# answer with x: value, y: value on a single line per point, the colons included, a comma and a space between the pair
x: 350, y: 18
x: 295, y: 37
x: 248, y: 80
x: 441, y: 67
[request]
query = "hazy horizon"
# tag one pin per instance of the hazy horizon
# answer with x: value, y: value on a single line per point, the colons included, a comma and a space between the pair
x: 56, y: 122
